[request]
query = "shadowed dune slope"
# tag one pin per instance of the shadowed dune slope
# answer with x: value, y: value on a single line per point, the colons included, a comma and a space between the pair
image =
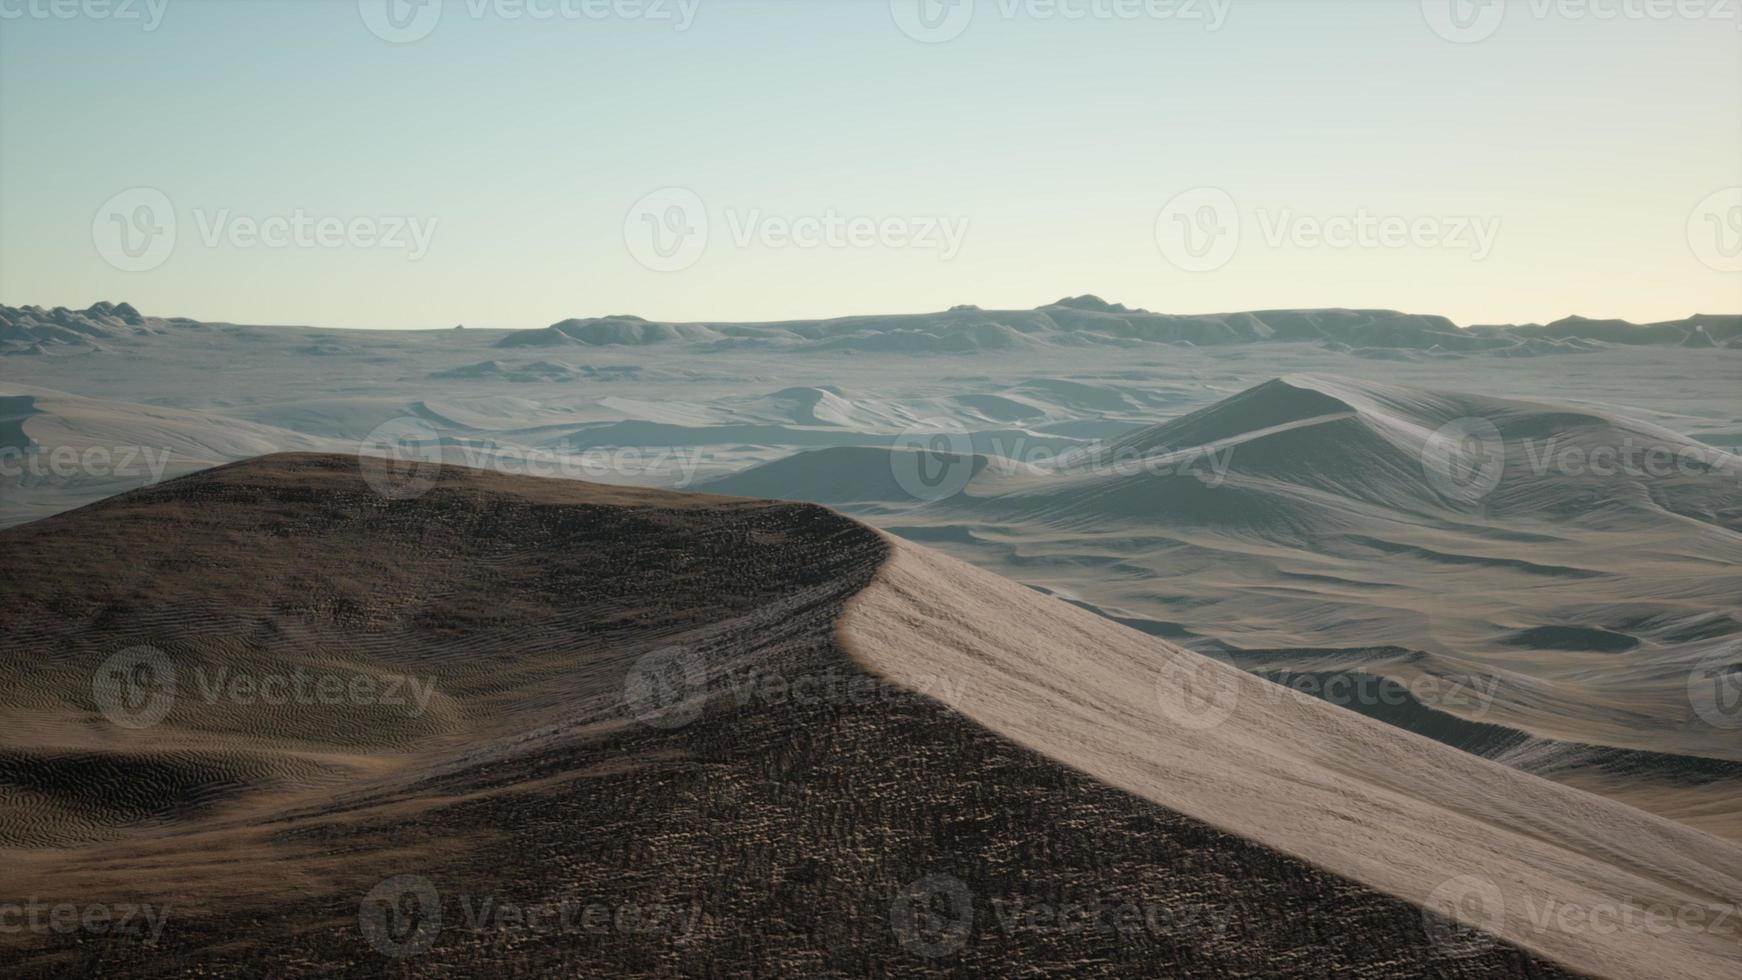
x: 779, y: 798
x: 1324, y: 454
x: 848, y: 474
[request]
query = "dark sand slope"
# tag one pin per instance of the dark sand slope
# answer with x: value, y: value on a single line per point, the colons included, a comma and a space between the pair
x: 774, y: 820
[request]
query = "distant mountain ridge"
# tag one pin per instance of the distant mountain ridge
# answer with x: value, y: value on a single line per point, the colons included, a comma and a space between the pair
x: 1079, y: 321
x: 1089, y: 320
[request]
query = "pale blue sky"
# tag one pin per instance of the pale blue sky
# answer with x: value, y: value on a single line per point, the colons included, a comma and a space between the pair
x: 527, y: 143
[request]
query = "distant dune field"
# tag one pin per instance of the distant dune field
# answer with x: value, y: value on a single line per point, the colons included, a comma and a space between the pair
x: 1569, y: 590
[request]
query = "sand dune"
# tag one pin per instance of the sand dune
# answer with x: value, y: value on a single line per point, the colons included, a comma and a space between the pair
x: 59, y: 450
x: 623, y: 714
x: 1395, y: 811
x: 1575, y: 564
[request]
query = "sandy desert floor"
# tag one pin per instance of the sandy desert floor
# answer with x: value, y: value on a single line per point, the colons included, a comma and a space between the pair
x: 1506, y: 702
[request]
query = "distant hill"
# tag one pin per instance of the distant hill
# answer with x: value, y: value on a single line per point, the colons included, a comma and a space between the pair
x: 1079, y: 321
x: 1091, y: 321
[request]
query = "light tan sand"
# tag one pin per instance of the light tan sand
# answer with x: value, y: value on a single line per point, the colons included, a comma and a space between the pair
x: 1401, y: 813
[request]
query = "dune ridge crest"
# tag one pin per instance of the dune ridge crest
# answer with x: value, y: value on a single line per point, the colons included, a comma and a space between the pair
x: 1395, y: 811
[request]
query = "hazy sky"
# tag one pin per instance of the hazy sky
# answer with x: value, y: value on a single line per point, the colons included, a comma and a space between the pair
x: 506, y: 169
